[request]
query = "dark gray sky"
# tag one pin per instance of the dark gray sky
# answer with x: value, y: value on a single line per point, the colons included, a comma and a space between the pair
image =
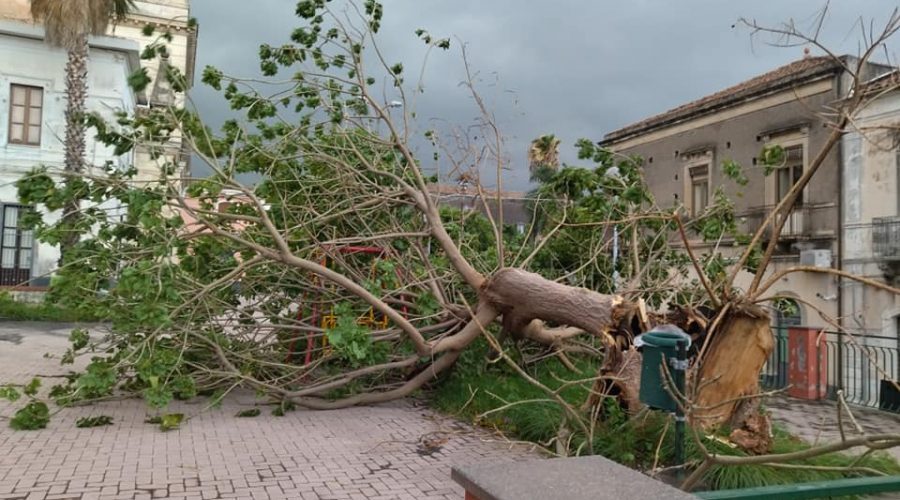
x: 571, y: 68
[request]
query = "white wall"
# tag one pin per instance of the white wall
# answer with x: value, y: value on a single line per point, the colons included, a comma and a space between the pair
x: 870, y: 186
x: 29, y: 61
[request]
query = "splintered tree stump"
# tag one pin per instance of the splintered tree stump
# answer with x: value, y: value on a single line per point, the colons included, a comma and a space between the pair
x: 729, y: 371
x: 752, y: 428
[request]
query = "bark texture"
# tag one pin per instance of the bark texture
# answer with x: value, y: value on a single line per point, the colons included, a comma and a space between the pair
x: 76, y: 95
x: 524, y: 297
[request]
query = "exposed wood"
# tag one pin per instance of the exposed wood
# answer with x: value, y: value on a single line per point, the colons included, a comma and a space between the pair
x: 643, y: 317
x: 622, y: 382
x: 752, y: 428
x: 729, y: 372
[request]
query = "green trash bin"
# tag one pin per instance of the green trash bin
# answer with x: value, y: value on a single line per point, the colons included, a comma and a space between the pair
x: 659, y: 347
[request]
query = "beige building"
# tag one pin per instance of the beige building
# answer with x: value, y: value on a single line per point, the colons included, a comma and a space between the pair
x: 683, y: 150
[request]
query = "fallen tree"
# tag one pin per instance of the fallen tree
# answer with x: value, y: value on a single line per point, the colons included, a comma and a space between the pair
x: 340, y: 277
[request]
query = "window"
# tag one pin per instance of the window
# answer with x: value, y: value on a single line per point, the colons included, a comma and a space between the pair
x: 15, y: 248
x: 699, y: 189
x: 789, y: 173
x: 25, y: 108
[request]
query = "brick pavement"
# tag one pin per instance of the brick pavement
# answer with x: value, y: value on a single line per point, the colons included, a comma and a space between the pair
x: 369, y: 453
x: 816, y: 421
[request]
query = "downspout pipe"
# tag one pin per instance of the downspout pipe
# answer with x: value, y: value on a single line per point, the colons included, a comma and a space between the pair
x: 839, y: 260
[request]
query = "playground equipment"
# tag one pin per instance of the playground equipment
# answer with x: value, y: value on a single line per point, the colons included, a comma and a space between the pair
x: 326, y: 319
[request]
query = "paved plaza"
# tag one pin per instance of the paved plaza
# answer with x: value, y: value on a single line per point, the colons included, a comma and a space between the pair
x: 382, y: 452
x: 360, y: 453
x: 816, y: 421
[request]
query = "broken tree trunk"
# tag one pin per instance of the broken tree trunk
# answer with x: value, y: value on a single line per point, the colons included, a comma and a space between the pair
x: 529, y: 302
x: 729, y: 371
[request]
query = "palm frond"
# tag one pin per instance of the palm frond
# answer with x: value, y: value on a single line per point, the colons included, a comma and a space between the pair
x: 65, y: 21
x: 105, y: 11
x: 68, y: 21
x: 543, y: 155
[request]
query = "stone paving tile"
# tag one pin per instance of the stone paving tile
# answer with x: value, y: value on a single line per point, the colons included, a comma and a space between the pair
x: 358, y: 453
x: 816, y: 421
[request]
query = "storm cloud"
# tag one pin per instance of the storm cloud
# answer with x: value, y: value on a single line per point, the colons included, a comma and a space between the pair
x: 571, y: 68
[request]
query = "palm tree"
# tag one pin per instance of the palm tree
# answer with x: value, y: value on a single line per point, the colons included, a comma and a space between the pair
x: 543, y: 157
x: 67, y: 24
x: 543, y: 163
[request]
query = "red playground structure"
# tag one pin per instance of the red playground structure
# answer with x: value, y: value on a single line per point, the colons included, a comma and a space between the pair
x: 326, y: 319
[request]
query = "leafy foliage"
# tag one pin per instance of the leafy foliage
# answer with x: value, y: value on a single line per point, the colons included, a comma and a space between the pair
x: 34, y: 415
x: 171, y: 421
x: 98, y: 421
x: 44, y: 311
x: 9, y: 393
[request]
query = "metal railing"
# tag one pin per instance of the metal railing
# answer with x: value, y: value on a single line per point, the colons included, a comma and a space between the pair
x: 803, y: 221
x: 775, y: 372
x: 864, y: 362
x: 865, y: 367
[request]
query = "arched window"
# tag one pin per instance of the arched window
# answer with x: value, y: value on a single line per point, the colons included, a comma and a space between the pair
x: 787, y: 313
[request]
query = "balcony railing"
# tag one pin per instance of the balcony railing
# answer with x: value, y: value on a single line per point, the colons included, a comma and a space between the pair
x: 804, y: 221
x: 886, y: 237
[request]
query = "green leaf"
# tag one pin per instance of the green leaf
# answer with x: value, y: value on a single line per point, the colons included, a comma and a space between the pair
x: 284, y: 407
x: 183, y: 387
x: 252, y: 412
x: 35, y: 415
x: 158, y: 396
x: 139, y: 80
x: 733, y: 171
x: 9, y: 393
x: 212, y: 77
x: 32, y: 388
x: 97, y: 421
x: 79, y: 338
x: 171, y: 421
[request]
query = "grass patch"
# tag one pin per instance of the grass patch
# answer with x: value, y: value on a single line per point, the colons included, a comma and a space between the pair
x: 475, y: 386
x: 744, y: 476
x: 44, y: 311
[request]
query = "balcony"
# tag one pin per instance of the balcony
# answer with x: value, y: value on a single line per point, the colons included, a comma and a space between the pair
x: 886, y: 238
x: 804, y: 222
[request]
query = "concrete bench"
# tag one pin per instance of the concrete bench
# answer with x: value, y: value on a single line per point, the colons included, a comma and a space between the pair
x: 577, y: 478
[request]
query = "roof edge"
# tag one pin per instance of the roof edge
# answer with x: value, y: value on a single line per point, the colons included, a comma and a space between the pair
x: 625, y: 133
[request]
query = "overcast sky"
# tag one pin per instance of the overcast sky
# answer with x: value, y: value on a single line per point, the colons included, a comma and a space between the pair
x: 568, y: 67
